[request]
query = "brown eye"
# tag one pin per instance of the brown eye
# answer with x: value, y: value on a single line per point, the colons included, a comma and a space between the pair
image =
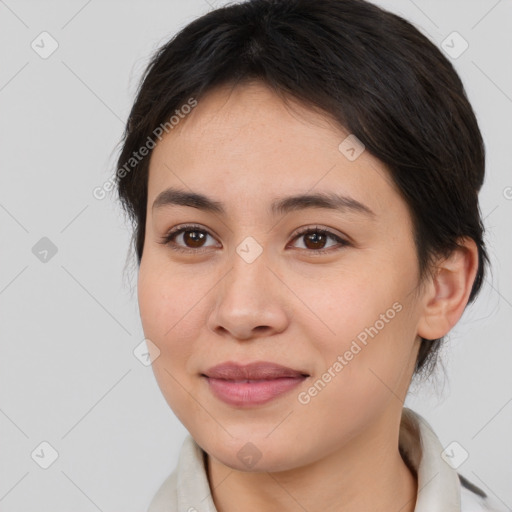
x: 186, y: 239
x: 315, y: 240
x: 194, y: 238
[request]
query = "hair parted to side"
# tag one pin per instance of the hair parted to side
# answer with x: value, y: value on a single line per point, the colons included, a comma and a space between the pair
x: 370, y: 70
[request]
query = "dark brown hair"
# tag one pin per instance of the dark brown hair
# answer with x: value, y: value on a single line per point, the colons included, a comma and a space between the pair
x: 370, y: 70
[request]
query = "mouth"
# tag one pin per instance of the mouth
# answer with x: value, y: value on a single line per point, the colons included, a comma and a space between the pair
x: 252, y: 384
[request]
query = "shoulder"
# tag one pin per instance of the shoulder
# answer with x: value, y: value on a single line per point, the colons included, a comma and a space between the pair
x: 474, y: 499
x: 187, y: 488
x: 166, y: 494
x: 442, y: 488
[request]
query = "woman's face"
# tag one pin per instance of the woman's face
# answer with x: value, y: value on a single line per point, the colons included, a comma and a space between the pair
x: 252, y: 283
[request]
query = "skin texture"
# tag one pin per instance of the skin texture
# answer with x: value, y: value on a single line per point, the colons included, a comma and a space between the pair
x: 339, y: 452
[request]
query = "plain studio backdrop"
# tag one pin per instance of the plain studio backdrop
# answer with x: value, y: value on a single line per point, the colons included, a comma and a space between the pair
x: 74, y: 397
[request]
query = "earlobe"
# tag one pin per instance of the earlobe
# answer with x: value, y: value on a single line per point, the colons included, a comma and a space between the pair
x: 449, y: 291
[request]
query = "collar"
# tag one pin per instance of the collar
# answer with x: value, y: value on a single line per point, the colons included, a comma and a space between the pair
x: 187, y: 488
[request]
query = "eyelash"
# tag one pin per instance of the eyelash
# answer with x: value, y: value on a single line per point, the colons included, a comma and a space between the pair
x: 167, y: 239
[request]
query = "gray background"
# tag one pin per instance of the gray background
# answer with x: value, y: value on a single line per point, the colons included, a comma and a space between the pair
x: 69, y: 325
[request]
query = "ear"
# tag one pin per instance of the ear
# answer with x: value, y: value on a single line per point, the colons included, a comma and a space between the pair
x: 447, y: 292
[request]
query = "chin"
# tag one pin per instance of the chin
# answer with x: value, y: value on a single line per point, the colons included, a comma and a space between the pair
x: 251, y: 453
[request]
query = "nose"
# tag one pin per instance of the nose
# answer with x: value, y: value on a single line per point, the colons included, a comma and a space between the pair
x: 250, y: 301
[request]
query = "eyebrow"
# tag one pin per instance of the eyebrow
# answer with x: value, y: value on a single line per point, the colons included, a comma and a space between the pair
x: 280, y: 206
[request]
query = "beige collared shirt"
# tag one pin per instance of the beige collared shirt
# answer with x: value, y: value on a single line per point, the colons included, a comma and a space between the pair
x: 440, y: 488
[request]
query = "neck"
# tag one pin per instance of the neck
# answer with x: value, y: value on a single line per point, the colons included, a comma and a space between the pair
x: 366, y: 474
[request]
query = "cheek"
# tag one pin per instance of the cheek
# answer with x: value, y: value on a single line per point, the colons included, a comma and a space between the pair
x: 359, y: 380
x: 166, y: 299
x: 369, y: 322
x: 345, y: 303
x: 165, y: 321
x: 156, y: 310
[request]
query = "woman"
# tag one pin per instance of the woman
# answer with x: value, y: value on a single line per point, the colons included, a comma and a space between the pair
x: 303, y: 180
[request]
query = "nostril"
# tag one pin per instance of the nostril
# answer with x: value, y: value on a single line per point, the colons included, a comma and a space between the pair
x: 261, y: 328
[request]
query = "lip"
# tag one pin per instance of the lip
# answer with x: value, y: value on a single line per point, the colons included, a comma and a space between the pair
x: 251, y: 384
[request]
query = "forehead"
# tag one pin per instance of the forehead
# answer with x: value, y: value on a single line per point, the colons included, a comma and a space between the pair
x: 245, y: 142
